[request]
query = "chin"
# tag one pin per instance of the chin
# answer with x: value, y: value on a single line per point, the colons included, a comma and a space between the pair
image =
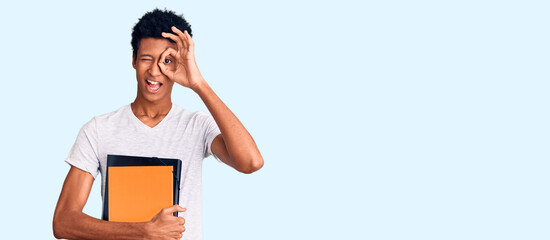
x: 156, y: 97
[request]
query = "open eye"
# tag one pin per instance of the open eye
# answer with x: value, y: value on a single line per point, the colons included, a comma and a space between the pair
x: 166, y: 61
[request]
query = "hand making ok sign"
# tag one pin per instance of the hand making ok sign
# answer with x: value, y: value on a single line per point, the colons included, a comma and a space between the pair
x: 185, y: 72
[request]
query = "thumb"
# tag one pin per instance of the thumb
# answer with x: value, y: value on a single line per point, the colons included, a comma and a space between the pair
x: 162, y: 68
x: 162, y: 65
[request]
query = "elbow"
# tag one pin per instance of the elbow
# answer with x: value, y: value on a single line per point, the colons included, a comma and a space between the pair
x: 253, y: 166
x: 59, y: 229
x: 57, y: 234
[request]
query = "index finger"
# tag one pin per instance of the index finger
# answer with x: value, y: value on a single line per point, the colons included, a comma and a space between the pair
x: 165, y: 67
x: 175, y: 208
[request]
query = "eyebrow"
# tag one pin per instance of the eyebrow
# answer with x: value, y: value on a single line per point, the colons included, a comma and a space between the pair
x: 145, y: 55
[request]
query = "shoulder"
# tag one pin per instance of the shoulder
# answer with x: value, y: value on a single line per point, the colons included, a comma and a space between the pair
x: 184, y: 115
x: 106, y: 119
x: 114, y: 115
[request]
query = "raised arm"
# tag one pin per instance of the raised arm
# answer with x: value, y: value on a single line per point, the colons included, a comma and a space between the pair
x: 235, y: 146
x: 71, y: 223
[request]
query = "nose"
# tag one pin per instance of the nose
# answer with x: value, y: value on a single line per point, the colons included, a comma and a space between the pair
x: 154, y: 70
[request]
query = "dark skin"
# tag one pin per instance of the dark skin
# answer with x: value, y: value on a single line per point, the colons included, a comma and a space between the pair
x: 159, y: 64
x: 71, y: 223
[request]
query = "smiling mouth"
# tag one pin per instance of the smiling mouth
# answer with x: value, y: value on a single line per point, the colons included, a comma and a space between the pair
x: 153, y: 86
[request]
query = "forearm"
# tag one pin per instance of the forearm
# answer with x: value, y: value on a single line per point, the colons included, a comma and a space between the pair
x: 77, y: 225
x: 243, y: 152
x: 239, y: 149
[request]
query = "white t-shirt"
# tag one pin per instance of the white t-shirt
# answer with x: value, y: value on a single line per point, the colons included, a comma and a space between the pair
x: 181, y: 134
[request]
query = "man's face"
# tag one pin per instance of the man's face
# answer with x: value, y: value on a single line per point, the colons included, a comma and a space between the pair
x: 153, y: 85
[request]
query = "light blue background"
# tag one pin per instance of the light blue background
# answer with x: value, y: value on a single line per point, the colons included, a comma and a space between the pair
x: 376, y: 119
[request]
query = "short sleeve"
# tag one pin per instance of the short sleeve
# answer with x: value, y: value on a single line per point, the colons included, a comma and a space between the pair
x: 211, y: 130
x: 84, y: 154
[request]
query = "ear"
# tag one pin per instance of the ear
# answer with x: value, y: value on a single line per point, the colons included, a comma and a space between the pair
x: 134, y: 60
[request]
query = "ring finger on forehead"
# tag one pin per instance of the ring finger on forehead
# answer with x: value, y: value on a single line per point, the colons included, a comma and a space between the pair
x: 179, y: 42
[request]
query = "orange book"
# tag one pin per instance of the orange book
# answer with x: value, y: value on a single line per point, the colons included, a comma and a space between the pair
x: 137, y: 188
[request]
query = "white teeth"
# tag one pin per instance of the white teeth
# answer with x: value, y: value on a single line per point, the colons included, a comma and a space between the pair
x: 152, y: 82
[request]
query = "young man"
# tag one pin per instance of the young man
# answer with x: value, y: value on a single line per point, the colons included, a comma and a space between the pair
x: 163, y: 54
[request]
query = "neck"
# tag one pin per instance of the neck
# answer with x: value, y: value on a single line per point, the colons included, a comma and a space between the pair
x: 141, y: 107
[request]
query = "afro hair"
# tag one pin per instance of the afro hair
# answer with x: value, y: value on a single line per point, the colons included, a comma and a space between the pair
x: 153, y: 23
